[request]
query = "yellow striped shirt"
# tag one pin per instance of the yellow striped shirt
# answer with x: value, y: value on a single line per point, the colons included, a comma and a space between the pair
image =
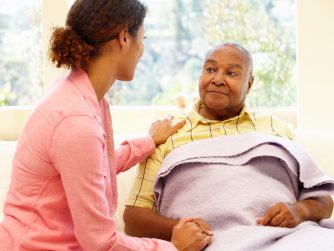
x: 196, y: 128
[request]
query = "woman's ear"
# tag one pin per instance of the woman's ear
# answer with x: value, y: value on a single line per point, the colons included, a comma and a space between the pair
x: 123, y: 38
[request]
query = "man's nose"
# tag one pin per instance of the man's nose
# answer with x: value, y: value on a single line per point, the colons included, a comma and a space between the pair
x: 219, y: 79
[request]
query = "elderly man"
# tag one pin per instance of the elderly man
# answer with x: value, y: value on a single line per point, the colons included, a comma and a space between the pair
x: 225, y: 81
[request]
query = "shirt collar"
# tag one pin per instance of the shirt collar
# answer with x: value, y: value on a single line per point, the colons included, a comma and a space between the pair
x: 194, y: 117
x: 80, y: 79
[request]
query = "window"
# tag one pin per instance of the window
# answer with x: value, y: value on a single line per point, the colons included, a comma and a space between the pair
x: 180, y: 32
x: 20, y: 52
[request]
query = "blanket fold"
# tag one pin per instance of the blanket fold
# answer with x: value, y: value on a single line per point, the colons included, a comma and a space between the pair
x: 230, y: 181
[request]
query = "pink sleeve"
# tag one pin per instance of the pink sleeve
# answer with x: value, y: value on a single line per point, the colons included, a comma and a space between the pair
x: 132, y: 152
x: 77, y: 151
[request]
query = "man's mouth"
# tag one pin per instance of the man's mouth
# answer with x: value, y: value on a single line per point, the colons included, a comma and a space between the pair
x: 218, y: 92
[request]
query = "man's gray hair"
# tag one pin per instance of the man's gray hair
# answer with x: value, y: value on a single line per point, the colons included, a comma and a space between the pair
x: 242, y: 49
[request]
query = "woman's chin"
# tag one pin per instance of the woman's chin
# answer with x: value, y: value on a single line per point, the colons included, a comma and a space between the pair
x: 125, y: 78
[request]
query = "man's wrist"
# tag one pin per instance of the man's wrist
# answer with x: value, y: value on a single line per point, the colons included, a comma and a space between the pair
x: 302, y: 211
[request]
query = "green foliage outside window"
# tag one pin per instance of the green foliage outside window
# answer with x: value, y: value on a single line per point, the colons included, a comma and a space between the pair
x: 20, y: 52
x: 180, y: 32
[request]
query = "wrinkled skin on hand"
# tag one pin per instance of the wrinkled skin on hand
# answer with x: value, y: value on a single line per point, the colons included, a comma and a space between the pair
x: 282, y: 215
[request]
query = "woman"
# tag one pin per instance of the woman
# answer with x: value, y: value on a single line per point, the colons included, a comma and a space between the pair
x: 63, y: 189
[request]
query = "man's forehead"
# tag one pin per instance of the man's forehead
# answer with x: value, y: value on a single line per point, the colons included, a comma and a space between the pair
x: 230, y: 64
x: 227, y: 54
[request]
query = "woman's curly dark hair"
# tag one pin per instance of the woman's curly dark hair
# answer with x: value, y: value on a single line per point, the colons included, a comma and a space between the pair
x: 89, y: 24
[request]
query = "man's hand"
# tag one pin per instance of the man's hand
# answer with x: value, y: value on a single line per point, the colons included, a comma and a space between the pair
x: 143, y: 222
x: 290, y: 215
x: 162, y: 129
x: 283, y: 215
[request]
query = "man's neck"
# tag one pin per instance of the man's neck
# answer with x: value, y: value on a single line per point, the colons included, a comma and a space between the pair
x: 222, y: 115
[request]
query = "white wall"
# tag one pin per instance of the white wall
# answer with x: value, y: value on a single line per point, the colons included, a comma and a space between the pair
x: 53, y: 14
x: 315, y: 63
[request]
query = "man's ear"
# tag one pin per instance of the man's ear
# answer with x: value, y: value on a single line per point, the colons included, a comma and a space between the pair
x: 250, y: 83
x: 123, y: 38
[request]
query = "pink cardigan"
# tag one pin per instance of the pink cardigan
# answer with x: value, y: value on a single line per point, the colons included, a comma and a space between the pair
x: 63, y: 190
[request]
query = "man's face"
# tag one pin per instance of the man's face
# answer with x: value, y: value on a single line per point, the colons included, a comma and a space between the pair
x: 224, y: 82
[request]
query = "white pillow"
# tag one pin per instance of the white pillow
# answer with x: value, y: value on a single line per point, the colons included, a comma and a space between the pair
x: 7, y: 150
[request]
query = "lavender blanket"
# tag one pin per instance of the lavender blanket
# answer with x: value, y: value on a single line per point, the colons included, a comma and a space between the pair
x: 230, y: 181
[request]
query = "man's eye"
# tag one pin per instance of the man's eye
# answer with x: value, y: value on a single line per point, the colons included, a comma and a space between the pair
x: 210, y: 69
x: 232, y: 74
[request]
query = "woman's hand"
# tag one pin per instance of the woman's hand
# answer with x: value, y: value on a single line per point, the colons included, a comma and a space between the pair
x: 162, y: 129
x: 203, y: 225
x: 188, y: 236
